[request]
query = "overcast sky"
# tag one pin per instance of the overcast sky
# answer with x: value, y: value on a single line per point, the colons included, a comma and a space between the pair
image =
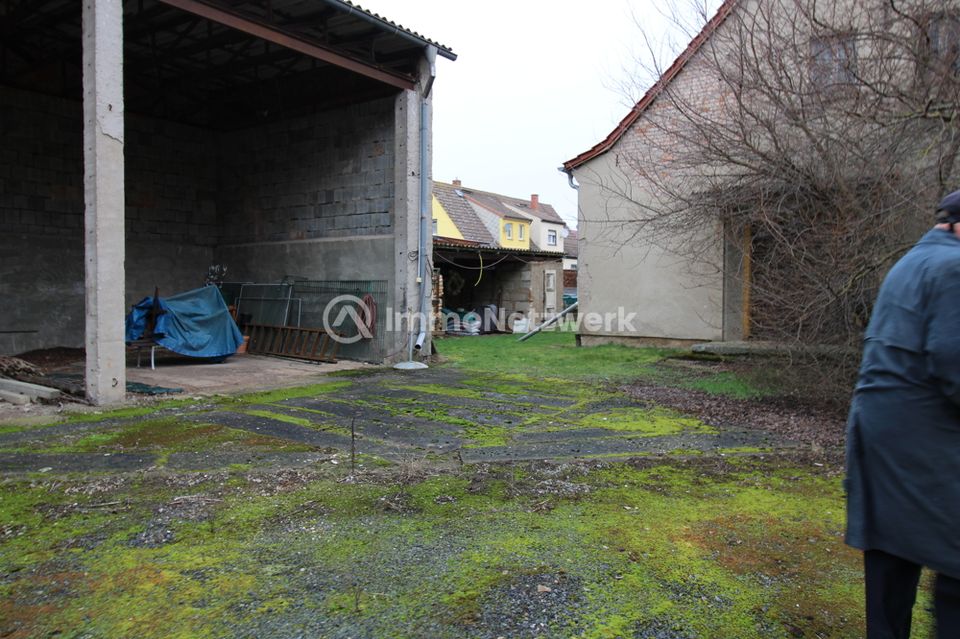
x: 535, y: 84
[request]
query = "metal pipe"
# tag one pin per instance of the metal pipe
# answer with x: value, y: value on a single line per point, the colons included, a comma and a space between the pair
x: 549, y: 323
x: 570, y: 182
x: 425, y: 209
x: 386, y: 25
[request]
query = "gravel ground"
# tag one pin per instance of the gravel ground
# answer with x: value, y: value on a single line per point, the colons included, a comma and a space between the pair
x: 809, y: 423
x: 530, y: 606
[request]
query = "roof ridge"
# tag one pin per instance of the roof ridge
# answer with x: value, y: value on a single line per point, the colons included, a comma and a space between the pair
x: 665, y: 79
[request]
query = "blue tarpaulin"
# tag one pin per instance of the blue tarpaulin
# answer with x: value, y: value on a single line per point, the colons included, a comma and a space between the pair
x: 196, y: 323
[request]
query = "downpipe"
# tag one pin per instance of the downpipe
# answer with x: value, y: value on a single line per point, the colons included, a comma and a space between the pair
x: 418, y: 338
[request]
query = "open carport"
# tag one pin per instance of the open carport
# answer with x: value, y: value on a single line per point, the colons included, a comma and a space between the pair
x: 142, y: 142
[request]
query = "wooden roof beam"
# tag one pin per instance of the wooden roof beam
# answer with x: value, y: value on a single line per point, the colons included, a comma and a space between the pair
x: 271, y: 33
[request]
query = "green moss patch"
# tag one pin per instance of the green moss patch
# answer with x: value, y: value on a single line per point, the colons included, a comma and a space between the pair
x: 480, y: 435
x: 649, y: 422
x: 274, y: 396
x: 746, y: 547
x: 169, y: 435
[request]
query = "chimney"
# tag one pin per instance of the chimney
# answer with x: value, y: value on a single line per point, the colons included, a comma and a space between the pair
x: 534, y: 201
x: 456, y: 183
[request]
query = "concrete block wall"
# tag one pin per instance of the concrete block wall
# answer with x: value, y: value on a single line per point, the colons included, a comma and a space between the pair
x: 170, y: 218
x: 172, y: 182
x: 313, y: 196
x: 41, y: 165
x: 514, y: 283
x: 326, y: 175
x: 517, y: 287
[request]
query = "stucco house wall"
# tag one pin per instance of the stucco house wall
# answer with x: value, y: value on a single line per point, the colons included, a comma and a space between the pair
x: 620, y: 275
x: 682, y: 285
x: 673, y: 284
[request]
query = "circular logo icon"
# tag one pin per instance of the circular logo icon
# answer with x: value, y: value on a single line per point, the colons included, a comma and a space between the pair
x: 347, y: 308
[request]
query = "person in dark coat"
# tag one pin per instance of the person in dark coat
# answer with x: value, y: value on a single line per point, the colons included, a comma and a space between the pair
x: 903, y: 436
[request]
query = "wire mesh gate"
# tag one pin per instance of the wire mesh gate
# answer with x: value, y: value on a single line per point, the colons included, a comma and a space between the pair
x: 333, y: 305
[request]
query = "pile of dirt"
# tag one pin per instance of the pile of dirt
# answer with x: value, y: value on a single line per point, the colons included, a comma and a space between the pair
x: 15, y: 368
x: 807, y: 422
x: 54, y: 359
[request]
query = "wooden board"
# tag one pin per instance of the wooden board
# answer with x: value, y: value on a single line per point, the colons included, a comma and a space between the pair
x: 313, y: 344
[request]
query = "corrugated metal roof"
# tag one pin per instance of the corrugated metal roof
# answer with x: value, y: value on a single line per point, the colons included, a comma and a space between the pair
x: 452, y: 244
x: 439, y: 240
x: 224, y: 64
x: 442, y: 50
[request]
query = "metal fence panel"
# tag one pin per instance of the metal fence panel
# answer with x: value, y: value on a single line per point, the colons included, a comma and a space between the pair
x: 330, y: 298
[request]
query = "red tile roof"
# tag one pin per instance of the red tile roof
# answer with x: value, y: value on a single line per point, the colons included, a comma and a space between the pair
x: 678, y: 65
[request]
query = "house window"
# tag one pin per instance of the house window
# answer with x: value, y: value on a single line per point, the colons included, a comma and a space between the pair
x: 551, y: 238
x: 943, y: 34
x: 436, y: 226
x: 508, y: 230
x: 833, y: 60
x: 550, y: 281
x: 520, y: 228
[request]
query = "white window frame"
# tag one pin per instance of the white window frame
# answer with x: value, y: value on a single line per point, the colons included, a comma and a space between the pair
x: 520, y: 228
x: 551, y: 238
x: 508, y: 230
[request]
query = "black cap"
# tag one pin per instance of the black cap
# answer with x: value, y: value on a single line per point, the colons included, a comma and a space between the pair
x: 948, y: 211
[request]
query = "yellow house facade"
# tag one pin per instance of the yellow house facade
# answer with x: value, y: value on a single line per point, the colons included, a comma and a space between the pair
x: 514, y: 233
x: 443, y: 224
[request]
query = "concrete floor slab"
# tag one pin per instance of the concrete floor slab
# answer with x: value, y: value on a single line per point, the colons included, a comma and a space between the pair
x: 236, y: 374
x: 430, y: 416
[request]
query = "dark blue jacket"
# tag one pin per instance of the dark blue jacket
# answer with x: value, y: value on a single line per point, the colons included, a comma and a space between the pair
x: 903, y: 433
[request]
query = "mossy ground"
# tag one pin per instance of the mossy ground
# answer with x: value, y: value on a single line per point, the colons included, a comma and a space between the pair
x: 690, y: 544
x: 719, y: 548
x: 553, y: 356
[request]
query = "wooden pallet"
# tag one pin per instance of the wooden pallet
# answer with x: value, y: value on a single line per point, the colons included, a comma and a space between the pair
x: 314, y: 344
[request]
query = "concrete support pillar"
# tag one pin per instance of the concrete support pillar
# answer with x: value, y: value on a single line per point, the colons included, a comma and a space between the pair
x: 406, y: 217
x: 104, y: 199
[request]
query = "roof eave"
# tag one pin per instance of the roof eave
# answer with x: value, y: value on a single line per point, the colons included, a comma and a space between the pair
x: 678, y: 65
x: 399, y: 30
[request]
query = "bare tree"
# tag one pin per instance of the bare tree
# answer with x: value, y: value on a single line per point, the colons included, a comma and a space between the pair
x: 816, y: 134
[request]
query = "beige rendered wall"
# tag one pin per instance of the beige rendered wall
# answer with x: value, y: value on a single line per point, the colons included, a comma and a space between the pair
x: 621, y: 271
x: 681, y: 280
